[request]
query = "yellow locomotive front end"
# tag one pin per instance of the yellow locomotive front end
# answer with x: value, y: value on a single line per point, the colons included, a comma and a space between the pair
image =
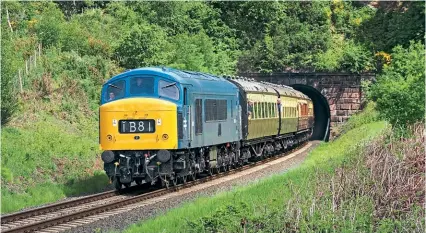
x: 138, y: 124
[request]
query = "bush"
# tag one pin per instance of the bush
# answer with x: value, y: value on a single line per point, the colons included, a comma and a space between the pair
x: 197, y: 52
x: 50, y: 24
x: 400, y: 90
x: 8, y: 99
x: 145, y: 45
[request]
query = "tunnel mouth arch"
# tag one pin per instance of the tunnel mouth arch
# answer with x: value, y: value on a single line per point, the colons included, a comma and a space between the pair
x: 321, y: 111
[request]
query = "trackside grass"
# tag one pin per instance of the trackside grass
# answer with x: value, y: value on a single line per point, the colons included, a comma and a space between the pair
x: 47, y: 159
x: 303, y: 199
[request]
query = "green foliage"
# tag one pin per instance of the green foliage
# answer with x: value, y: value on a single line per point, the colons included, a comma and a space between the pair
x: 47, y: 160
x: 145, y: 45
x: 197, y: 52
x: 46, y: 140
x: 49, y: 25
x: 400, y: 89
x: 394, y: 23
x: 345, y: 55
x: 356, y: 58
x: 8, y: 80
x: 288, y: 41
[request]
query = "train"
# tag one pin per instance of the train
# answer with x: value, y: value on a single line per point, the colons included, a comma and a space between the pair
x: 165, y: 126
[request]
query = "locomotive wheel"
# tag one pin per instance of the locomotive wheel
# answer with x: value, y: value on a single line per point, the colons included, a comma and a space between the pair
x: 165, y: 183
x: 117, y: 184
x: 184, y: 178
x: 211, y: 171
x: 192, y: 174
x: 174, y: 180
x: 127, y: 185
x: 138, y: 181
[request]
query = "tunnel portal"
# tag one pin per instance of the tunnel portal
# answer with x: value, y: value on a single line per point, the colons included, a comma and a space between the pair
x: 321, y: 111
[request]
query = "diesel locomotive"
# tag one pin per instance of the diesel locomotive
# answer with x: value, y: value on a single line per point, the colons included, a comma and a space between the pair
x: 163, y: 126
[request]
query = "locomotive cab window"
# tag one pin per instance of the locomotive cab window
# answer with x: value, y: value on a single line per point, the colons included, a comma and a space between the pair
x: 115, y: 90
x: 142, y: 86
x: 168, y: 89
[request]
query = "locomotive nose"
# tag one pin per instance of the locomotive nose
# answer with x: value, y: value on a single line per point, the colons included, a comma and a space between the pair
x: 138, y: 124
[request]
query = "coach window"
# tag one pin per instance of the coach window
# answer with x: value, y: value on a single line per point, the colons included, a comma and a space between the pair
x: 115, y: 90
x: 268, y: 110
x: 271, y: 115
x: 274, y: 112
x: 142, y: 86
x: 263, y: 110
x: 168, y: 89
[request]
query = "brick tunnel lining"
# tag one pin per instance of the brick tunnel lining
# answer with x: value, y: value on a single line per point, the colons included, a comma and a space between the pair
x: 321, y: 111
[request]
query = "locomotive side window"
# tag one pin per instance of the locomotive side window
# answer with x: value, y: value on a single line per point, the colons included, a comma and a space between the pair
x: 198, y: 116
x: 168, y: 89
x: 115, y: 90
x: 141, y: 86
x: 215, y: 110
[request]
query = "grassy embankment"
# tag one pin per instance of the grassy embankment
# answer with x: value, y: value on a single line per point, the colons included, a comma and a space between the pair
x: 334, y: 190
x: 49, y: 154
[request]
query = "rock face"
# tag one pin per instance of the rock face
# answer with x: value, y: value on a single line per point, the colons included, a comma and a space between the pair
x: 341, y: 92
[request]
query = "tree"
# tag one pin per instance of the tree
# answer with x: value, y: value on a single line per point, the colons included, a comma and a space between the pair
x: 145, y: 45
x: 400, y: 89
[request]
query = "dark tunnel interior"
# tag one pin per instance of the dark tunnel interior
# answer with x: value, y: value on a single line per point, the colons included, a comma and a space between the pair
x: 321, y: 111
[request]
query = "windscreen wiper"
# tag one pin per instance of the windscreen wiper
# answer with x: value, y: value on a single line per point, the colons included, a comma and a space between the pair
x: 114, y: 86
x: 171, y: 84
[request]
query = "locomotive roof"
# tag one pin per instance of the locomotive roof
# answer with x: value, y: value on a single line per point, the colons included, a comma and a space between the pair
x: 250, y: 85
x: 209, y: 83
x: 204, y: 82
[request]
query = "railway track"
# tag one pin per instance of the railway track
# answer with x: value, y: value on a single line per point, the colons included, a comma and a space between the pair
x: 103, y: 204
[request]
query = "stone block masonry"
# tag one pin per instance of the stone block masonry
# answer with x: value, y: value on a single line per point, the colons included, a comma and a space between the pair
x: 342, y: 91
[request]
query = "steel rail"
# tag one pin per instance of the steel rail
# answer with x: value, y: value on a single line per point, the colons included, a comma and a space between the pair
x: 62, y: 205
